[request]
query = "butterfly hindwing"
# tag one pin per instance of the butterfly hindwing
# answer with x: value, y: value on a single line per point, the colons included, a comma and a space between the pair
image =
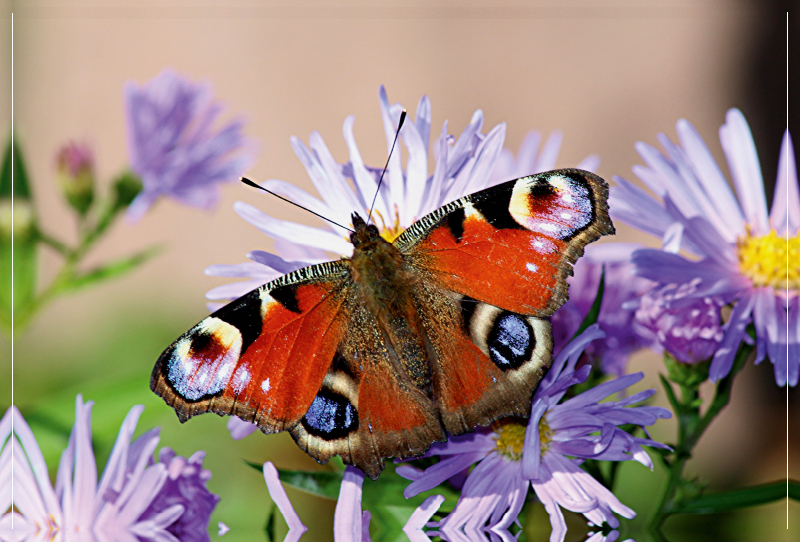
x: 368, y: 407
x: 487, y: 364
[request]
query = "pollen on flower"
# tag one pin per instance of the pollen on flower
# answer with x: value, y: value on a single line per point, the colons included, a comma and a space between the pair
x: 763, y: 259
x: 390, y: 231
x: 509, y: 438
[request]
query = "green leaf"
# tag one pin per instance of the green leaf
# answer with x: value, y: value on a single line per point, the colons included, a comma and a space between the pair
x: 740, y: 498
x: 21, y: 187
x: 108, y: 271
x: 676, y: 406
x: 594, y: 310
x: 19, y: 231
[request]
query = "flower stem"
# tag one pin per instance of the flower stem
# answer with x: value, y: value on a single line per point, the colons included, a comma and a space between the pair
x: 72, y: 257
x: 691, y: 426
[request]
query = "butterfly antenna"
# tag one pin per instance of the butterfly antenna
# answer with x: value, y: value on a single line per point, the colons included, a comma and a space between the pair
x: 248, y: 182
x: 399, y: 125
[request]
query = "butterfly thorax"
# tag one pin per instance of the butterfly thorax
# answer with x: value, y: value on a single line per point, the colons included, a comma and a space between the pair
x: 385, y: 287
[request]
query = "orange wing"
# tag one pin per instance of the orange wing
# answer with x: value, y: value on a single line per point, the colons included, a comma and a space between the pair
x: 512, y: 245
x: 262, y: 357
x: 494, y: 265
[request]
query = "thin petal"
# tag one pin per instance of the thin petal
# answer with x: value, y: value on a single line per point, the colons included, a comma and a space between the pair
x: 291, y: 231
x: 723, y: 358
x: 740, y: 150
x: 710, y: 176
x: 239, y: 428
x: 549, y: 154
x: 420, y: 517
x: 347, y: 517
x: 785, y: 215
x: 281, y: 500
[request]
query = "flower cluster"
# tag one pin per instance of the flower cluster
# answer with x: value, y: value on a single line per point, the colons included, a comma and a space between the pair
x: 136, y: 497
x: 737, y: 252
x: 469, y: 163
x: 545, y: 451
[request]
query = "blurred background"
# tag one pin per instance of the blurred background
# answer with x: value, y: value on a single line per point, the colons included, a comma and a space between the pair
x: 607, y: 74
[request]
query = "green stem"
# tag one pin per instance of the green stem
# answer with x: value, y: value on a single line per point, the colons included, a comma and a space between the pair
x: 72, y: 257
x: 691, y: 426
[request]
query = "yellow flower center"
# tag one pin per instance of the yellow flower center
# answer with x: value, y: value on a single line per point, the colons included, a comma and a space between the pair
x: 509, y: 437
x: 390, y: 231
x: 763, y: 259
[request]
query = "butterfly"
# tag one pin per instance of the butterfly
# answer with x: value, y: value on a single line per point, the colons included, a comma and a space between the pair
x: 383, y: 353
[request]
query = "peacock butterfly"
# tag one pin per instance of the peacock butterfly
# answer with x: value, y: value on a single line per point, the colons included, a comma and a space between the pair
x: 381, y: 354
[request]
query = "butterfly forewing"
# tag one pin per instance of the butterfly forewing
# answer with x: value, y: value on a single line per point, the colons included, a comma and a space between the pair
x: 262, y: 357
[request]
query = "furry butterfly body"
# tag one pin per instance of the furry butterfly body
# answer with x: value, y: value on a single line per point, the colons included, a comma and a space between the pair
x: 381, y: 354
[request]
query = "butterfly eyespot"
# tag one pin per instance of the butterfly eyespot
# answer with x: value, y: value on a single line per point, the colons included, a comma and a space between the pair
x: 330, y: 416
x: 511, y: 341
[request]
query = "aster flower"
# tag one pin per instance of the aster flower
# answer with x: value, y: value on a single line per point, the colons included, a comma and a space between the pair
x: 172, y: 144
x: 739, y: 253
x: 463, y: 165
x: 511, y: 454
x: 135, y: 499
x: 623, y: 334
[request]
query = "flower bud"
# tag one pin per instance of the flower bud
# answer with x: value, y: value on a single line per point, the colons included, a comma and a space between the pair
x: 687, y: 327
x: 75, y: 170
x: 126, y: 187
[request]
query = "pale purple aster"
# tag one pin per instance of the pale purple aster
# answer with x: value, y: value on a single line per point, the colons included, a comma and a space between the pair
x: 510, y: 455
x: 685, y: 326
x: 623, y: 335
x: 462, y: 166
x: 174, y: 146
x: 135, y: 499
x: 739, y: 253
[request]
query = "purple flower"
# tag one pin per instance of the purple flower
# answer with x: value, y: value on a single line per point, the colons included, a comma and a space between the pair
x: 685, y: 326
x: 740, y: 254
x: 134, y: 499
x: 511, y: 455
x: 623, y: 335
x: 463, y: 165
x: 173, y: 146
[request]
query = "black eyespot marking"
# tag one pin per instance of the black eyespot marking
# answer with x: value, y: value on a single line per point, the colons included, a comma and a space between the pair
x: 455, y: 223
x: 286, y: 296
x: 245, y: 315
x: 496, y: 210
x: 541, y: 189
x: 330, y: 416
x: 511, y: 341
